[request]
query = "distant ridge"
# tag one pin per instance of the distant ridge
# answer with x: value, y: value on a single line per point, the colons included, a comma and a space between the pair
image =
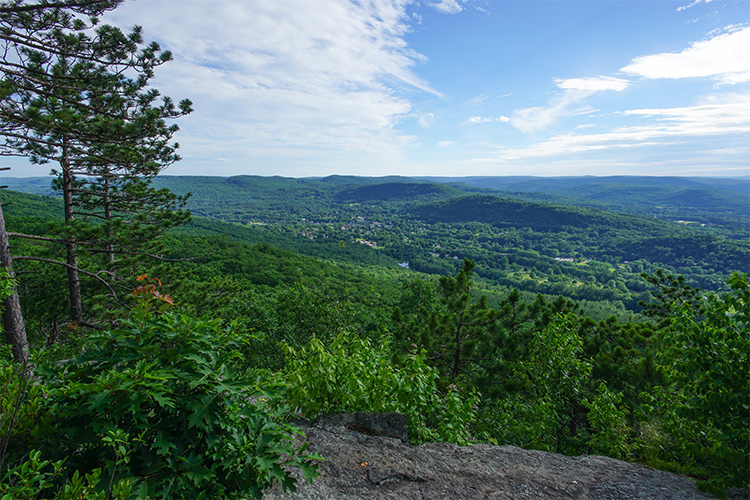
x: 719, y: 203
x: 559, y: 184
x: 503, y: 212
x: 391, y: 191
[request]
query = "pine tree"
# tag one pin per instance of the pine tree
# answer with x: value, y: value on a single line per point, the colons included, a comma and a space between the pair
x: 459, y: 332
x: 72, y: 104
x: 19, y: 21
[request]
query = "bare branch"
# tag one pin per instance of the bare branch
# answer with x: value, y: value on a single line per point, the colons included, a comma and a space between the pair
x: 33, y: 237
x: 44, y: 238
x: 87, y: 273
x: 153, y: 256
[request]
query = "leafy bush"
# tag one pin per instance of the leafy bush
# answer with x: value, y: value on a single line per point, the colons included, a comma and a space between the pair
x: 353, y: 374
x: 708, y: 357
x: 546, y: 409
x: 152, y: 409
x: 609, y: 421
x: 22, y: 416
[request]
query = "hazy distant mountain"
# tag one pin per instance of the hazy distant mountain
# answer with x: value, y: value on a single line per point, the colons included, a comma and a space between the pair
x: 717, y: 202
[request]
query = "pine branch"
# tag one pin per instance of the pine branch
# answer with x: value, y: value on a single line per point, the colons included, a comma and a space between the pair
x: 89, y: 6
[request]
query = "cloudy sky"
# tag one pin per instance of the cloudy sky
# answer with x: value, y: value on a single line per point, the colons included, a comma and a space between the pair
x: 454, y: 87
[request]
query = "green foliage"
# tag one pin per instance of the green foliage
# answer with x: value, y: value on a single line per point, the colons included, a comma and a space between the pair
x: 6, y: 284
x: 709, y: 357
x: 608, y: 419
x: 671, y: 292
x: 24, y: 421
x: 546, y: 408
x: 456, y: 331
x: 32, y: 477
x: 354, y: 374
x: 623, y: 357
x: 290, y: 315
x: 556, y: 369
x: 155, y: 404
x: 22, y: 402
x: 304, y: 311
x: 603, y: 381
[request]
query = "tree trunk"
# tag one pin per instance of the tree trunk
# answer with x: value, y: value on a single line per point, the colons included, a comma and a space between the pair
x: 108, y: 218
x: 15, y: 330
x: 74, y: 283
x: 456, y: 354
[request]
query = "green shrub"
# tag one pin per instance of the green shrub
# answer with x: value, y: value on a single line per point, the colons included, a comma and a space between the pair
x: 708, y: 358
x: 609, y: 421
x: 153, y: 410
x: 352, y: 374
x: 545, y: 410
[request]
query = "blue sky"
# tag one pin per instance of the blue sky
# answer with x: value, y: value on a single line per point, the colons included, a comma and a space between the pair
x: 454, y: 87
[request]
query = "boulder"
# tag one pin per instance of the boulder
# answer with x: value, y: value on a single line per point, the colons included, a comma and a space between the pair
x: 371, y: 424
x: 368, y: 457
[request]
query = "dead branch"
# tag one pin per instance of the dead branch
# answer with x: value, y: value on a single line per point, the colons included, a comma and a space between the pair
x: 82, y: 271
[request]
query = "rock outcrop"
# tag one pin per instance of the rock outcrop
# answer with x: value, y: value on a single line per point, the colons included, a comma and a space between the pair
x: 367, y: 459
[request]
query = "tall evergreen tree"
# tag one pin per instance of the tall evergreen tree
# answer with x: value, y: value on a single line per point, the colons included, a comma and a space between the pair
x: 72, y: 104
x: 457, y: 331
x: 19, y: 22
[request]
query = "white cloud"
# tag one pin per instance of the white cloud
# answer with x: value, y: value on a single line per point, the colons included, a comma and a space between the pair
x: 425, y: 119
x: 724, y: 57
x: 445, y: 144
x: 726, y: 114
x: 485, y: 119
x: 696, y: 2
x: 447, y: 6
x: 718, y: 116
x: 477, y: 99
x: 314, y: 74
x: 593, y: 84
x: 540, y: 117
x: 567, y: 103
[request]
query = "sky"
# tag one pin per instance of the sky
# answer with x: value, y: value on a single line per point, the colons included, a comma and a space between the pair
x: 302, y: 88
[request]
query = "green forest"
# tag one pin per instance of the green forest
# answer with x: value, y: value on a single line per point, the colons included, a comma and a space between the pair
x: 164, y: 332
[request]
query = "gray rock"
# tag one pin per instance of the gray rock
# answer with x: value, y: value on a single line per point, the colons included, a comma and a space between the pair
x: 372, y: 424
x: 363, y: 465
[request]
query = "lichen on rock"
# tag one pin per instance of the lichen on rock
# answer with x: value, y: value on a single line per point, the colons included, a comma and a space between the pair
x: 366, y: 460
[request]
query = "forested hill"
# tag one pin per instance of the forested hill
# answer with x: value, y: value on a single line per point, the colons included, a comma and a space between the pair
x: 248, y: 199
x: 557, y: 248
x: 600, y: 234
x: 721, y: 206
x: 393, y: 191
x: 565, y: 184
x: 504, y: 212
x: 722, y: 203
x: 516, y: 243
